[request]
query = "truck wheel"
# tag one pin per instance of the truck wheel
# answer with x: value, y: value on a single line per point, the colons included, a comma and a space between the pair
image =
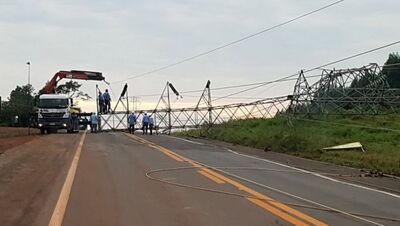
x: 51, y: 130
x: 42, y: 131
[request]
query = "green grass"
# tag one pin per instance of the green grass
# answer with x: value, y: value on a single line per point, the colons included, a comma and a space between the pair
x: 306, y: 138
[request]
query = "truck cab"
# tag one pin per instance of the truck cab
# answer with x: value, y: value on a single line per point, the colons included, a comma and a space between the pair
x: 54, y: 113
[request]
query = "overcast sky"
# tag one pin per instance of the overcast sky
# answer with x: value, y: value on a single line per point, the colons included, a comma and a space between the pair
x: 123, y: 38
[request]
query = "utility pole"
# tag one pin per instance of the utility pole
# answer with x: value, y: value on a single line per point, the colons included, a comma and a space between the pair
x: 209, y: 103
x: 29, y: 72
x: 29, y: 83
x: 169, y: 109
x: 127, y: 106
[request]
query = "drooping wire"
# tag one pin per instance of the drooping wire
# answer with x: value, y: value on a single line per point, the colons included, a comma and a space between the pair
x: 289, y: 77
x: 230, y: 43
x: 261, y: 84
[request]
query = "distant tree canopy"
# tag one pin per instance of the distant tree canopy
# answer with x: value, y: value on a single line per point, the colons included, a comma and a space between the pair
x: 392, y: 70
x: 20, y: 103
x: 71, y: 89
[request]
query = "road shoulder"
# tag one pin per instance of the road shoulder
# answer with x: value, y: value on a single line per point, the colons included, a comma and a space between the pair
x: 31, y: 177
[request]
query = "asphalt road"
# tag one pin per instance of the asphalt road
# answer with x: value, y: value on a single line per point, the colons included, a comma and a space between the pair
x: 119, y: 179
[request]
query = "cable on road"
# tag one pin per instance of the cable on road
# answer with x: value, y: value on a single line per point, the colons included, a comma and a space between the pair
x: 356, y: 215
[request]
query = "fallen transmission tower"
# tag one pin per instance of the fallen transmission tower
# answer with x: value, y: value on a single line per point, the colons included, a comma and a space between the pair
x: 357, y: 91
x: 204, y: 114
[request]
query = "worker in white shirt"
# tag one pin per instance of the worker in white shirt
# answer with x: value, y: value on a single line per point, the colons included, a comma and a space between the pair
x: 151, y: 124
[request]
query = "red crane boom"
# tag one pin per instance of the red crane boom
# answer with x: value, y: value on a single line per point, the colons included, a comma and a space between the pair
x: 73, y: 74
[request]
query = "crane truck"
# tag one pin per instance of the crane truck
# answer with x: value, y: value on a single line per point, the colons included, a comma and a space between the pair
x: 57, y: 111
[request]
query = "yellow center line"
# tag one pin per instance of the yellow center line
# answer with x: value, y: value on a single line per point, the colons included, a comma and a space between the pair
x: 172, y: 156
x: 261, y: 200
x: 211, y: 177
x: 277, y: 212
x: 266, y: 198
x: 59, y: 211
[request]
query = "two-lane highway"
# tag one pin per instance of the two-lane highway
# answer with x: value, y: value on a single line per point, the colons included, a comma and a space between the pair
x: 197, y: 184
x: 111, y: 188
x: 123, y: 179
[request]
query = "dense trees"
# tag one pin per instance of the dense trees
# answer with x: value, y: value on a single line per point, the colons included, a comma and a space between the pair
x: 20, y: 103
x: 71, y: 88
x: 392, y: 70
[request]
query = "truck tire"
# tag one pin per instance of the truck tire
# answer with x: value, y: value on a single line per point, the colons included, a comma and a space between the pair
x: 42, y: 131
x: 51, y: 130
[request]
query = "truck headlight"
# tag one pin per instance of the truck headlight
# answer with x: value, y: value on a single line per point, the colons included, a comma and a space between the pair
x: 40, y: 124
x: 64, y: 125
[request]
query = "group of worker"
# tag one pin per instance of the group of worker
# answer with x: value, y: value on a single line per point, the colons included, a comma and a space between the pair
x: 104, y: 102
x: 105, y: 107
x: 147, y: 123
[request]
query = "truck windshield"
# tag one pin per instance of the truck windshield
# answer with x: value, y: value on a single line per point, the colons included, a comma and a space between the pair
x: 53, y: 103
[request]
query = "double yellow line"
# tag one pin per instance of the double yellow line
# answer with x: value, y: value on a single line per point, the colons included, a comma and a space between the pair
x: 277, y: 208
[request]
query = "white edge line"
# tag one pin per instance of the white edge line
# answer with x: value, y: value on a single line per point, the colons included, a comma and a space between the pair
x: 189, y: 141
x: 59, y: 210
x: 295, y: 196
x: 301, y: 170
x: 286, y: 193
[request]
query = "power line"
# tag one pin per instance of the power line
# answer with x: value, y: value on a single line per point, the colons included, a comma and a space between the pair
x: 349, y: 125
x: 232, y: 97
x: 222, y: 87
x: 289, y: 77
x: 231, y: 43
x: 355, y: 55
x: 384, y: 66
x: 313, y: 69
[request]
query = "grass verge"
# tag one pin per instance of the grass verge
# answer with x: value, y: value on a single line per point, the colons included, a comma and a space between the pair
x: 380, y: 136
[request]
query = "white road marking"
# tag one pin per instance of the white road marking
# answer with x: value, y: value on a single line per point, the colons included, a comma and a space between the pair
x: 294, y: 196
x: 189, y: 141
x: 305, y: 171
x: 59, y: 211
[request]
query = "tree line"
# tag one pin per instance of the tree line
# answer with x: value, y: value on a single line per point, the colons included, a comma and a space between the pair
x: 20, y: 106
